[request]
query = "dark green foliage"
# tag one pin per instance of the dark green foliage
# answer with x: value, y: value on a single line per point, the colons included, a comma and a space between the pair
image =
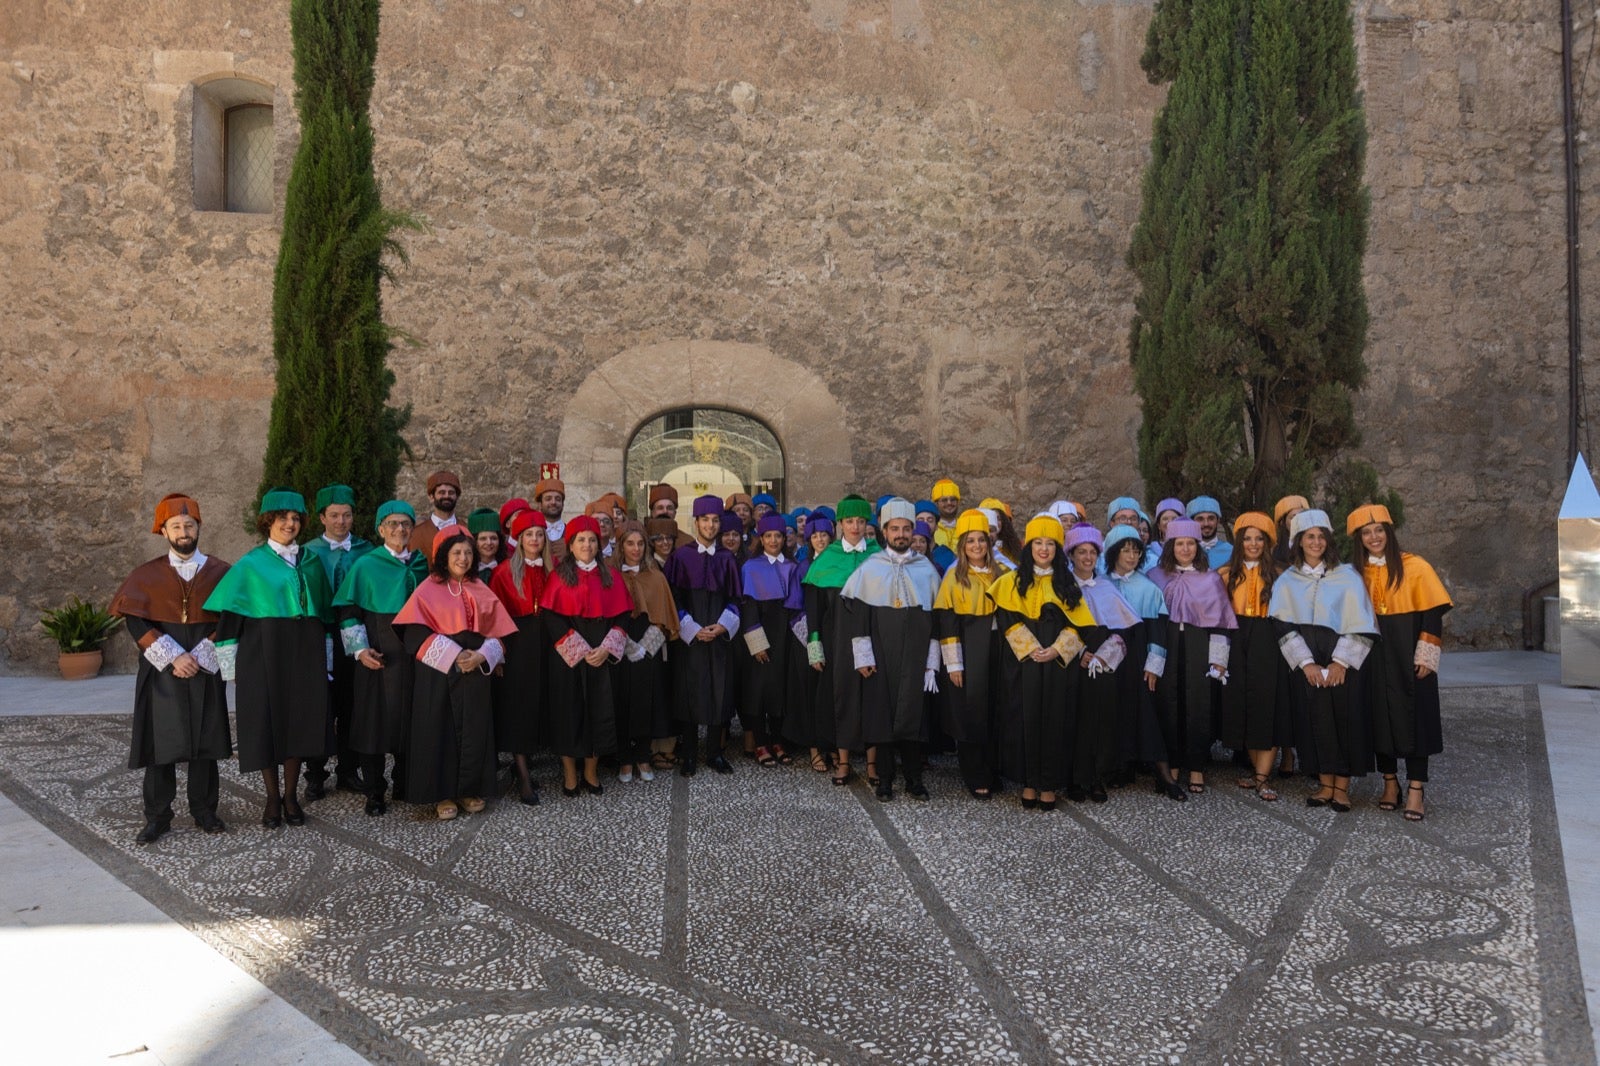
x: 1249, y: 327
x: 331, y: 421
x: 79, y: 626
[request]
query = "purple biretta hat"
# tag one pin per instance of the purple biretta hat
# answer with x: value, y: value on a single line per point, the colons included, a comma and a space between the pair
x: 704, y: 505
x: 1183, y: 527
x: 770, y: 523
x: 1171, y: 504
x: 1084, y: 533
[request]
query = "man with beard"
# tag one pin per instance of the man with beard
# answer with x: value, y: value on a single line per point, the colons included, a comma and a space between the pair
x: 947, y: 498
x: 550, y: 496
x: 338, y: 551
x: 444, y: 492
x: 888, y: 617
x: 180, y: 707
x: 664, y: 504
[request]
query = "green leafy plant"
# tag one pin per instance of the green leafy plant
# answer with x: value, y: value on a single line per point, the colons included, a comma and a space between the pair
x: 79, y: 626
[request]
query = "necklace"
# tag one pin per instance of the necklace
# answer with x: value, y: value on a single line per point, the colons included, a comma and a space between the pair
x: 458, y: 590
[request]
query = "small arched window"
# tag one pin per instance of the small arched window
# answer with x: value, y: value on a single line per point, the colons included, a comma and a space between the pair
x: 233, y: 146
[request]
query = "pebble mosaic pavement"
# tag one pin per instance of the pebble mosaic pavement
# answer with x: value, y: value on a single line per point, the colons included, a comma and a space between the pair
x: 768, y: 917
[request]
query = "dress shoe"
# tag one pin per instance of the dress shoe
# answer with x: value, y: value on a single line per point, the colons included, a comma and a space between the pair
x: 884, y: 791
x: 686, y: 768
x: 530, y: 799
x: 315, y: 790
x: 594, y: 789
x: 1076, y: 794
x: 154, y: 831
x: 376, y: 806
x: 471, y: 804
x: 1047, y: 805
x: 1098, y: 794
x: 446, y: 810
x: 918, y: 791
x: 1030, y: 802
x: 272, y: 817
x: 210, y: 823
x: 293, y: 813
x: 720, y: 764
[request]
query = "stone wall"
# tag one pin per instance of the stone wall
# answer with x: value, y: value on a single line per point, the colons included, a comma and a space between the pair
x: 914, y: 212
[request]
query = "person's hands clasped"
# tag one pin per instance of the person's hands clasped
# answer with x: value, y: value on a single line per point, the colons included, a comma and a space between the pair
x: 185, y: 666
x: 372, y: 660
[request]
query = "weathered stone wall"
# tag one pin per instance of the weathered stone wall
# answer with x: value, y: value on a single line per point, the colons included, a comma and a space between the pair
x: 924, y: 205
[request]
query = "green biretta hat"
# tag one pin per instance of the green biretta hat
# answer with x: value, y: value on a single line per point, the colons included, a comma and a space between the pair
x: 395, y: 507
x: 853, y: 506
x: 484, y: 520
x: 331, y: 494
x: 279, y: 498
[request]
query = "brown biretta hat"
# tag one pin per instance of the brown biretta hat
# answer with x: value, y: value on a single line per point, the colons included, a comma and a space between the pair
x: 172, y: 504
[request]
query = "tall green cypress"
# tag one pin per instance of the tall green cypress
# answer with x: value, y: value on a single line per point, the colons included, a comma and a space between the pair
x: 331, y: 420
x: 1251, y: 319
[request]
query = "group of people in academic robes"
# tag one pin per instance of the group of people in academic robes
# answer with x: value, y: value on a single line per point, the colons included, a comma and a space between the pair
x: 1066, y: 660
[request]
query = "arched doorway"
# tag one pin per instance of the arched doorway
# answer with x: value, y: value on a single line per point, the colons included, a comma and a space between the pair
x: 638, y: 384
x: 699, y: 450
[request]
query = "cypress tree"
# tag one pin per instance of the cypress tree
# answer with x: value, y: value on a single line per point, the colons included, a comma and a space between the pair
x: 1251, y: 319
x: 331, y: 420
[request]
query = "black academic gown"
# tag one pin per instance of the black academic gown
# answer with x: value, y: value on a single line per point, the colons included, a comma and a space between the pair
x: 811, y: 720
x: 281, y: 689
x: 646, y: 688
x: 704, y: 672
x: 177, y: 719
x: 1185, y: 695
x: 520, y: 693
x: 380, y: 710
x: 892, y: 708
x: 1255, y: 701
x: 451, y: 753
x: 1333, y: 735
x: 770, y: 689
x: 1038, y: 708
x: 585, y: 702
x: 1138, y: 724
x: 1404, y: 709
x: 968, y: 714
x: 1096, y: 752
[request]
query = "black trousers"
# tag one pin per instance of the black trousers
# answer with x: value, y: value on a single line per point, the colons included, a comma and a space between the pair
x: 161, y: 788
x: 341, y: 694
x: 1416, y: 766
x: 913, y: 756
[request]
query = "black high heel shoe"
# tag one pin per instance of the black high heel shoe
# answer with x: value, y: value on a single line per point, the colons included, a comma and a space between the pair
x: 293, y: 813
x: 593, y: 788
x: 272, y: 817
x: 1334, y: 802
x: 1389, y: 805
x: 1411, y: 815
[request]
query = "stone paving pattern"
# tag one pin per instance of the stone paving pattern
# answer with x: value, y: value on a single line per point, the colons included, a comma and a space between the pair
x: 769, y: 917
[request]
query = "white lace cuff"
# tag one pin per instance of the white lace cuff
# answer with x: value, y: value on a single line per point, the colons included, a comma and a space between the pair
x: 1295, y: 652
x: 493, y: 652
x: 1113, y: 651
x: 800, y: 630
x: 933, y: 656
x: 1217, y: 652
x: 1155, y: 660
x: 634, y: 653
x: 814, y: 655
x: 688, y: 628
x: 163, y: 652
x: 755, y: 638
x: 205, y: 653
x: 729, y: 620
x: 653, y: 640
x: 1352, y: 650
x: 228, y: 659
x: 950, y: 652
x: 573, y: 648
x: 1069, y: 645
x: 861, y: 648
x: 354, y: 639
x: 439, y: 653
x: 1428, y: 654
x: 616, y: 643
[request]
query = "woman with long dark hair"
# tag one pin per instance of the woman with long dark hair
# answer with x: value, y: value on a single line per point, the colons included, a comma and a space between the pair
x: 1096, y: 747
x: 1036, y: 607
x: 652, y: 626
x: 453, y: 626
x: 1255, y: 701
x: 1402, y: 675
x: 274, y: 638
x: 585, y: 607
x: 1325, y: 628
x: 969, y: 645
x: 1199, y: 629
x: 519, y: 695
x: 1142, y: 741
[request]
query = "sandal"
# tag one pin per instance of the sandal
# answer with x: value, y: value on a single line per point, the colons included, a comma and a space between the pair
x: 1334, y: 802
x: 872, y: 772
x: 783, y: 757
x: 764, y: 757
x: 1390, y: 804
x: 1197, y: 787
x: 1411, y: 815
x: 446, y: 810
x: 1265, y: 792
x: 849, y: 775
x: 819, y: 761
x: 663, y: 761
x: 1251, y: 781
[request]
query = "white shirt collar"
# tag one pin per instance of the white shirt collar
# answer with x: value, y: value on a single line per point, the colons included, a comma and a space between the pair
x: 1083, y: 580
x: 440, y: 523
x: 626, y: 569
x: 1043, y: 571
x: 404, y: 556
x: 706, y: 549
x: 860, y: 546
x: 189, y: 567
x: 338, y: 545
x: 590, y: 566
x: 978, y: 569
x: 774, y: 559
x: 289, y: 553
x: 1184, y: 569
x: 1377, y: 560
x: 1251, y: 564
x: 1315, y: 571
x: 899, y: 557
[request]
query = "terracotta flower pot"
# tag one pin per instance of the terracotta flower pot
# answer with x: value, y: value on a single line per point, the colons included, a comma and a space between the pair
x: 80, y: 665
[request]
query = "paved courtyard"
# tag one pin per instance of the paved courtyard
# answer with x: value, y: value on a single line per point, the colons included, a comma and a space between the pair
x: 770, y: 917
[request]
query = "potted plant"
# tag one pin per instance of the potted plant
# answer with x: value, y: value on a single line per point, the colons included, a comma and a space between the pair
x: 79, y: 629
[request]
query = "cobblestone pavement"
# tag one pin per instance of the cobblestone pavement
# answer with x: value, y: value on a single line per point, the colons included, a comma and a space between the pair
x: 769, y: 917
